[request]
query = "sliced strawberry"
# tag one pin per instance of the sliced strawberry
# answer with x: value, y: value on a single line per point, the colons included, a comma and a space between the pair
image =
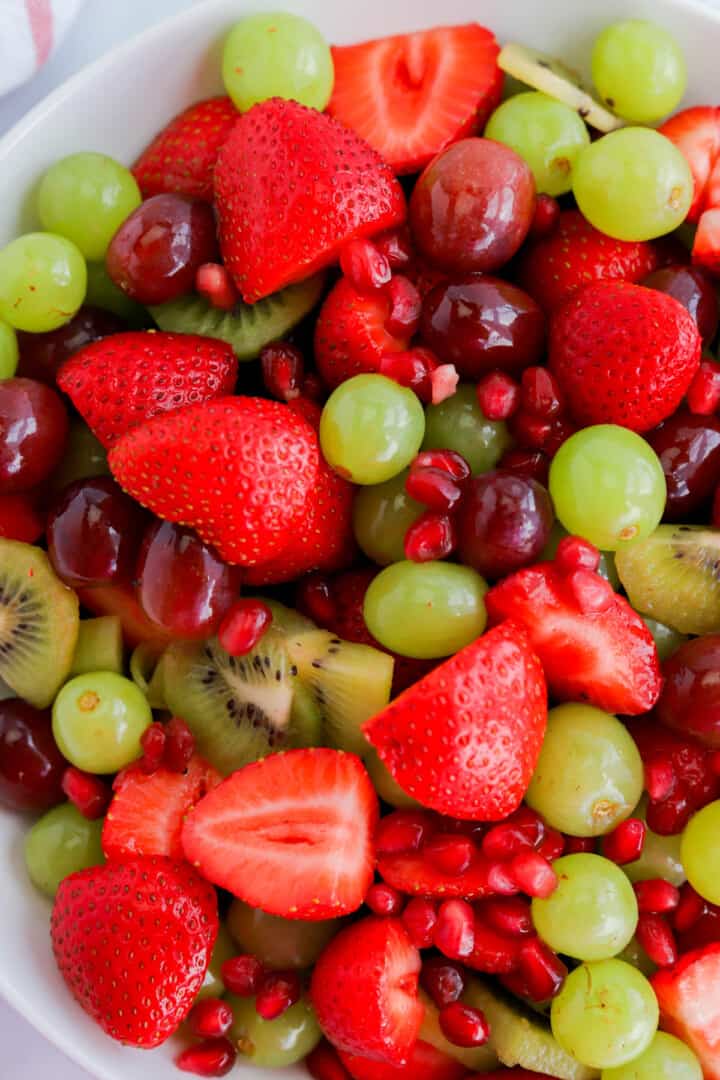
x: 147, y: 812
x: 606, y: 657
x: 291, y: 834
x: 689, y: 998
x: 365, y: 991
x: 424, y: 1061
x: 706, y: 246
x: 119, y: 599
x: 412, y: 870
x: 696, y: 132
x: 412, y: 95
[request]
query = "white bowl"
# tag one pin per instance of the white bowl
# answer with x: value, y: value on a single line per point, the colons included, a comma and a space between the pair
x: 115, y: 106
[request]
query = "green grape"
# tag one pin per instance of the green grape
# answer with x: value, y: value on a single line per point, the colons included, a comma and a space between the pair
x: 607, y: 558
x: 700, y: 851
x: 639, y: 70
x: 42, y: 282
x: 99, y: 646
x: 371, y: 428
x: 382, y: 514
x: 633, y: 184
x: 459, y: 424
x: 666, y: 1058
x: 634, y: 954
x: 60, y: 843
x: 86, y: 197
x: 546, y: 133
x: 608, y: 486
x: 387, y: 788
x: 589, y: 776
x: 97, y: 721
x: 272, y: 1044
x: 605, y: 1015
x: 223, y: 949
x: 426, y: 610
x: 660, y: 856
x: 667, y: 640
x: 277, y: 55
x: 277, y: 942
x: 84, y: 456
x: 593, y: 912
x: 9, y: 353
x: 102, y: 292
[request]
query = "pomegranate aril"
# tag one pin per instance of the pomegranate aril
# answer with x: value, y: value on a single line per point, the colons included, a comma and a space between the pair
x: 530, y: 431
x: 400, y: 832
x: 660, y: 780
x: 520, y: 832
x: 509, y: 914
x: 657, y: 939
x: 383, y: 899
x: 179, y: 745
x: 498, y: 395
x: 243, y: 626
x: 442, y: 979
x: 413, y: 369
x: 277, y: 992
x: 448, y: 461
x: 540, y: 394
x: 241, y: 975
x: 405, y: 307
x: 546, y: 216
x: 314, y: 598
x: 669, y: 817
x: 153, y: 741
x: 534, y: 874
x: 214, y: 1057
x: 432, y: 536
x: 433, y: 488
x: 501, y: 880
x: 420, y: 918
x: 552, y: 845
x: 714, y: 762
x: 367, y: 268
x: 444, y: 381
x: 703, y: 393
x: 691, y: 907
x: 580, y: 845
x: 283, y: 370
x: 656, y: 896
x: 625, y: 843
x: 86, y: 792
x: 544, y: 973
x: 592, y: 592
x: 494, y: 953
x: 450, y: 853
x: 214, y: 283
x: 514, y: 981
x: 574, y: 553
x: 560, y: 432
x: 464, y: 1026
x: 532, y: 463
x: 323, y: 1063
x: 313, y: 387
x: 210, y: 1019
x: 454, y: 932
x: 396, y: 246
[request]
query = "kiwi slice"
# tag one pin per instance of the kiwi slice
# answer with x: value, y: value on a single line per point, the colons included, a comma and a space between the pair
x: 350, y: 683
x: 39, y: 620
x: 674, y: 576
x: 239, y: 708
x: 287, y: 620
x: 146, y: 671
x: 247, y: 327
x: 99, y: 646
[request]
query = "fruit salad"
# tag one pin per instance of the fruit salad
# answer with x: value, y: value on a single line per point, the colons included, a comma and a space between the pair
x: 359, y: 535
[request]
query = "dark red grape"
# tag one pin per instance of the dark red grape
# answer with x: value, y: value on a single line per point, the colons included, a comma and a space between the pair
x: 695, y: 291
x: 156, y: 253
x: 42, y: 354
x: 94, y: 531
x: 31, y: 766
x: 33, y: 430
x: 504, y: 522
x: 481, y: 323
x: 183, y: 584
x: 689, y: 450
x: 690, y: 700
x: 473, y: 206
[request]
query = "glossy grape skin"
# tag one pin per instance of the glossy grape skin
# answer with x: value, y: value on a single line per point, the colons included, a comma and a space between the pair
x: 371, y: 428
x: 425, y: 610
x: 61, y: 843
x: 93, y: 532
x: 31, y: 765
x: 382, y: 514
x: 41, y: 355
x: 182, y: 583
x: 479, y: 323
x: 42, y: 282
x: 605, y: 1015
x: 700, y: 850
x: 472, y: 207
x: 633, y: 184
x: 608, y: 486
x: 224, y: 949
x: 667, y: 639
x: 666, y: 1058
x: 503, y: 523
x: 694, y: 289
x: 593, y: 912
x: 639, y: 70
x: 33, y: 430
x: 98, y: 720
x: 459, y: 424
x: 84, y: 456
x: 9, y: 352
x: 688, y: 447
x: 589, y: 776
x: 660, y: 856
x: 690, y: 698
x: 277, y: 55
x: 278, y: 943
x: 272, y: 1044
x: 155, y: 254
x: 545, y: 132
x: 86, y: 197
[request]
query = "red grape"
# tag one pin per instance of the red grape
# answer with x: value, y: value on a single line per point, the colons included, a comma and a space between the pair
x: 694, y: 289
x: 504, y: 523
x: 42, y: 354
x: 31, y: 766
x: 690, y: 700
x: 689, y: 450
x: 33, y: 430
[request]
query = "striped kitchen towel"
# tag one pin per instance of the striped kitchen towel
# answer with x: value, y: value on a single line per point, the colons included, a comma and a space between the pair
x: 29, y: 31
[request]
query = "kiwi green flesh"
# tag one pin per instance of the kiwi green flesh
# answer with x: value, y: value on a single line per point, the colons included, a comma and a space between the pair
x: 39, y: 619
x: 674, y: 577
x: 247, y: 327
x: 287, y: 620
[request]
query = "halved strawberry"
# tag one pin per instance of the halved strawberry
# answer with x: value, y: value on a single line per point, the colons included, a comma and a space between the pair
x: 606, y: 657
x: 706, y: 246
x: 412, y: 871
x: 365, y: 991
x: 147, y: 811
x: 291, y: 834
x: 119, y: 599
x: 696, y: 132
x: 688, y: 994
x: 412, y: 95
x: 424, y: 1061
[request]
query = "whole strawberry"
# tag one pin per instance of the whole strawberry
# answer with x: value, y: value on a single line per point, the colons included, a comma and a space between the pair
x: 623, y: 354
x: 238, y: 470
x: 292, y: 186
x: 133, y: 941
x: 181, y: 158
x: 120, y: 381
